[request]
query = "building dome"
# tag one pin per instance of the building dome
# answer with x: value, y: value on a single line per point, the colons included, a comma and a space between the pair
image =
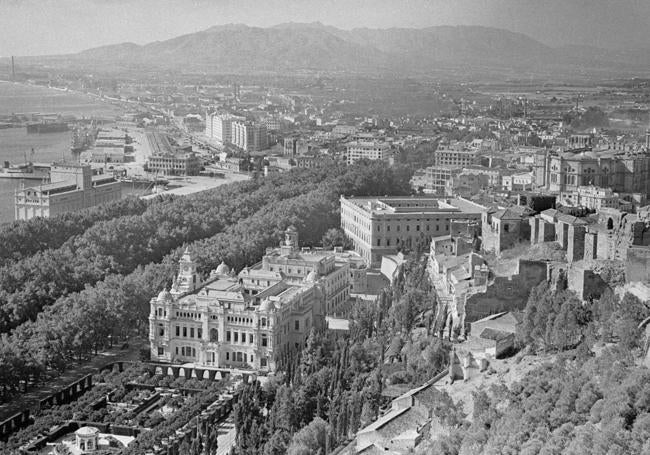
x: 223, y: 269
x: 164, y: 295
x: 267, y: 306
x: 87, y: 431
x: 312, y: 277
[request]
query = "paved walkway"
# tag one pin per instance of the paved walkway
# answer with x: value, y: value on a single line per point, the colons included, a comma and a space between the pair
x: 196, y: 184
x: 226, y: 438
x: 76, y: 371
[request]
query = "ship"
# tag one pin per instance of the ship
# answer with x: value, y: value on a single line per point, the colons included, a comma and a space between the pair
x: 82, y: 138
x: 46, y: 127
x: 27, y: 171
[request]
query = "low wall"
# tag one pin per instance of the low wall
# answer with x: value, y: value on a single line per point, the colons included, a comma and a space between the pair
x: 14, y: 423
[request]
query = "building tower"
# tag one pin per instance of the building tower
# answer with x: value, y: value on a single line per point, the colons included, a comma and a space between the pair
x: 290, y: 244
x: 188, y: 277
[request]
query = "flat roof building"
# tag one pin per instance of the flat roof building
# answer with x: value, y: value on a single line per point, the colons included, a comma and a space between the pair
x: 368, y: 150
x: 456, y: 154
x: 383, y: 225
x: 73, y: 188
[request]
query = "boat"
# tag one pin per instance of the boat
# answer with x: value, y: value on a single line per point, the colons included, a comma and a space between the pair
x: 46, y: 127
x: 27, y: 171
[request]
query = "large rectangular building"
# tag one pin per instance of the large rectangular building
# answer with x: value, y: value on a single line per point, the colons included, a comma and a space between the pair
x: 249, y: 320
x: 437, y: 179
x: 456, y: 154
x: 249, y: 136
x: 73, y: 188
x: 381, y: 226
x: 171, y: 160
x: 367, y: 150
x: 219, y: 126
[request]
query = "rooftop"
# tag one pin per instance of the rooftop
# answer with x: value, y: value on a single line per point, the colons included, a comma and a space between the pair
x: 414, y: 205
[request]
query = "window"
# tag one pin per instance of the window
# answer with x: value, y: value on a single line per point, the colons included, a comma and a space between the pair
x: 161, y: 350
x: 184, y: 331
x: 228, y: 335
x: 297, y: 324
x: 263, y: 361
x: 506, y: 227
x: 265, y: 341
x: 388, y: 228
x: 236, y: 335
x: 263, y: 322
x: 214, y: 335
x: 408, y: 228
x: 191, y: 332
x: 378, y: 242
x: 178, y: 331
x: 227, y: 355
x: 250, y: 338
x: 199, y: 333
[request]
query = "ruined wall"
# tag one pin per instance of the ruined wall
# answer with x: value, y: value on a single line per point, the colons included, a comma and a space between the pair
x: 546, y: 231
x: 563, y: 235
x: 576, y: 243
x: 534, y: 229
x: 637, y: 266
x: 506, y: 293
x: 585, y: 283
x: 591, y: 245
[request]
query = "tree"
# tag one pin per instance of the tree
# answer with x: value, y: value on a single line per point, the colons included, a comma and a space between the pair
x: 310, y: 440
x: 334, y: 237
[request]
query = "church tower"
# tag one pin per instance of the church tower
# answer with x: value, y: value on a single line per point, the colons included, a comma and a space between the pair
x: 188, y: 277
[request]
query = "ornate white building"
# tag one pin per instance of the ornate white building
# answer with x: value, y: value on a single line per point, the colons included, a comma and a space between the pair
x: 250, y: 319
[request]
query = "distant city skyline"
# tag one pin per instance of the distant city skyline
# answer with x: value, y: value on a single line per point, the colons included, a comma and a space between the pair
x: 43, y: 27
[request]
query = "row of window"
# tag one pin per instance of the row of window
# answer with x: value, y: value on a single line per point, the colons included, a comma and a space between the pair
x: 235, y: 337
x: 188, y: 314
x: 185, y: 351
x: 408, y: 228
x: 192, y: 332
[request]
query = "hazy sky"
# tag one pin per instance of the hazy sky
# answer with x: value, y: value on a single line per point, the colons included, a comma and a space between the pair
x: 36, y: 27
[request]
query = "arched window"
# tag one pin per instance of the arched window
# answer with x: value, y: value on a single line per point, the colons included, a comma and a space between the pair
x: 610, y: 223
x: 214, y: 335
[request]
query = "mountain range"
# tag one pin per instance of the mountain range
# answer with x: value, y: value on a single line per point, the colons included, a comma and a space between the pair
x: 314, y: 46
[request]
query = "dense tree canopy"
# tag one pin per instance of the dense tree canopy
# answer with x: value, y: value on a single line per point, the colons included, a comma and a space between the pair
x: 68, y: 302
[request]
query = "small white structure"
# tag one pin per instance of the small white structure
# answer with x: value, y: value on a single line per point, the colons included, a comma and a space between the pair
x: 86, y: 439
